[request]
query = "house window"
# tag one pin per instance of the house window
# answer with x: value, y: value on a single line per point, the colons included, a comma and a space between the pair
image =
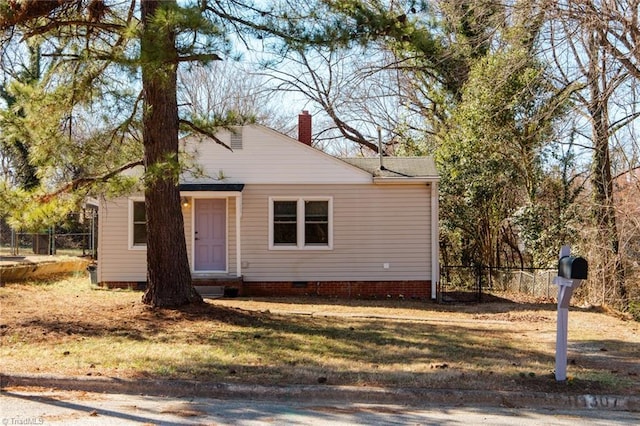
x: 285, y: 223
x: 138, y: 224
x: 300, y: 223
x: 316, y: 223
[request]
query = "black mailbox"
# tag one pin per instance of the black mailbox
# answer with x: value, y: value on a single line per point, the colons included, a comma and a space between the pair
x: 574, y: 268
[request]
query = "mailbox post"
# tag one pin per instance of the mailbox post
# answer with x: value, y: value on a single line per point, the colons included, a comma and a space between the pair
x: 571, y: 272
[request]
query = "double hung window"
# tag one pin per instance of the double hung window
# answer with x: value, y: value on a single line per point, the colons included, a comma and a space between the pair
x: 301, y: 223
x: 137, y: 225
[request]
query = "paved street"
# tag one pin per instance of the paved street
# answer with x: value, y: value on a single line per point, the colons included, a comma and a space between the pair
x: 86, y: 408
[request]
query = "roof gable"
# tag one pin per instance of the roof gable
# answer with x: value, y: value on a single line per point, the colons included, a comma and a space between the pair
x: 266, y: 157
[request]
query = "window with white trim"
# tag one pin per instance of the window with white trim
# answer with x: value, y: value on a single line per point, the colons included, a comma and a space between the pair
x: 300, y: 223
x: 137, y: 224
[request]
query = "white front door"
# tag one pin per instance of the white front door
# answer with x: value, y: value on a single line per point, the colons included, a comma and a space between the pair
x: 210, y: 235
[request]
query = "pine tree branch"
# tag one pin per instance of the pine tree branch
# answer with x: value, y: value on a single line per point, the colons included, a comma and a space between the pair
x: 200, y: 57
x: 205, y: 132
x: 74, y: 23
x: 20, y: 12
x: 86, y: 181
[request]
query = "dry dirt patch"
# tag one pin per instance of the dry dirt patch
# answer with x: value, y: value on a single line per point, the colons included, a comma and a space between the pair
x: 66, y: 327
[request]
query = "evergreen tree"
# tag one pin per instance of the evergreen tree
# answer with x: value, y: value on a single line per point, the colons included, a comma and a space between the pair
x: 98, y: 42
x: 16, y: 150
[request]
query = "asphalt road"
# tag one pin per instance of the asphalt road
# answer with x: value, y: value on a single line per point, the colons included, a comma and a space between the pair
x: 86, y: 408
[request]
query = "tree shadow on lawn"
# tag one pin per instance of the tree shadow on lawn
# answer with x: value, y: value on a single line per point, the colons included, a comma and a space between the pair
x: 611, y: 355
x: 375, y: 344
x: 490, y: 304
x: 352, y: 338
x: 300, y: 349
x: 378, y: 353
x: 138, y: 324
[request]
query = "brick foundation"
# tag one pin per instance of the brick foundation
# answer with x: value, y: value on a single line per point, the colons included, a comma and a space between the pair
x: 339, y: 289
x: 141, y: 285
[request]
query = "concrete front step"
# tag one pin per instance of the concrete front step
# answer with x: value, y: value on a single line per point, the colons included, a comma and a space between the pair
x: 218, y: 287
x: 210, y: 291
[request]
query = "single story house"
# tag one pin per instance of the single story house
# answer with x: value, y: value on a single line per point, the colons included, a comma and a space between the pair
x: 276, y: 216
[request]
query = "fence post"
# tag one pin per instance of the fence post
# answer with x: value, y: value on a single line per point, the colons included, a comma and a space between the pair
x: 533, y: 274
x: 520, y: 282
x: 479, y: 272
x: 53, y: 240
x: 13, y: 242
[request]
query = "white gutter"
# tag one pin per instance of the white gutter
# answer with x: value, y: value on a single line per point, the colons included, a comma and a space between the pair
x: 435, y: 241
x: 403, y: 179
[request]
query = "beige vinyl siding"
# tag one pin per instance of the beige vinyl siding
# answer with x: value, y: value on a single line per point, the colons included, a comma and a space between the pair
x: 116, y: 262
x: 372, y: 225
x: 267, y: 157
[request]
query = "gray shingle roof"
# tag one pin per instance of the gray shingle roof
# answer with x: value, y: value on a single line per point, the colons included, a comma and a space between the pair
x: 396, y: 167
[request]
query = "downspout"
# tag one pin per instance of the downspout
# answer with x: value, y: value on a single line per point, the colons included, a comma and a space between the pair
x: 238, y: 235
x: 435, y: 241
x: 100, y: 212
x: 380, y: 147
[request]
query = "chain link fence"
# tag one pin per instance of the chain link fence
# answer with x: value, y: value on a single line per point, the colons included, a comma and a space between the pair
x: 471, y: 283
x: 76, y: 237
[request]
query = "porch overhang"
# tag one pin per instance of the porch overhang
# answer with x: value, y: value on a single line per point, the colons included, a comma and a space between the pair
x: 211, y: 187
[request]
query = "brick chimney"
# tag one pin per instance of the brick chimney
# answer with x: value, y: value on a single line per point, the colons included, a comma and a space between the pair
x: 304, y: 127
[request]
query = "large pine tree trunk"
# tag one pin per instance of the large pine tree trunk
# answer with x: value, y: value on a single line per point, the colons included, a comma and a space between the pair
x: 168, y: 274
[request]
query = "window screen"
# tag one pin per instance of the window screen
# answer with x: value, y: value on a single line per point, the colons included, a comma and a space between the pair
x: 316, y: 222
x: 139, y: 224
x: 285, y: 218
